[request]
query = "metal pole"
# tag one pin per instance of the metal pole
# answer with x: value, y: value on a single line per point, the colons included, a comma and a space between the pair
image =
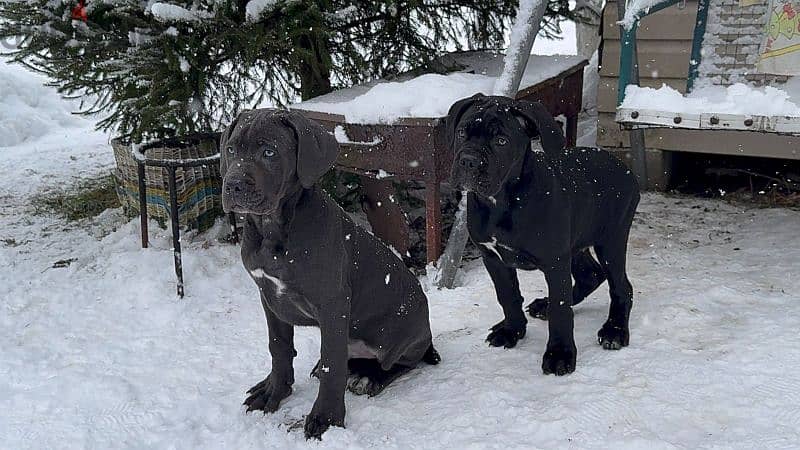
x: 142, y: 204
x: 638, y: 153
x: 176, y: 232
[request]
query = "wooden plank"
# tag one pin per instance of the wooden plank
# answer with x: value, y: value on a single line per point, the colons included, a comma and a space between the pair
x: 607, y: 90
x: 657, y: 59
x: 651, y: 118
x: 673, y: 23
x: 744, y: 143
x: 648, y: 117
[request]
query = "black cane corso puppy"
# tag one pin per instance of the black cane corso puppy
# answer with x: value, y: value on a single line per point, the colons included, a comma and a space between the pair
x: 532, y: 210
x: 315, y: 267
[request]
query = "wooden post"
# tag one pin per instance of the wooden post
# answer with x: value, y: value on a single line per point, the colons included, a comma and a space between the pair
x: 384, y: 214
x: 433, y: 219
x: 142, y: 203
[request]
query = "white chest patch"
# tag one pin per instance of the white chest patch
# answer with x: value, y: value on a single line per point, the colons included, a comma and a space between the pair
x: 493, y: 244
x: 280, y: 286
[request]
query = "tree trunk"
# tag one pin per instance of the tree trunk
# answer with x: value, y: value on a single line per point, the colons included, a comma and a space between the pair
x: 314, y: 70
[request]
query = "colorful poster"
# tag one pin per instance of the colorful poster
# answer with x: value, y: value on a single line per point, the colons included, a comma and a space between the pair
x: 780, y: 49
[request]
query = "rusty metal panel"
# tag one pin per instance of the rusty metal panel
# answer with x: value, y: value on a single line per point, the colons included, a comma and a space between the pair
x: 403, y: 151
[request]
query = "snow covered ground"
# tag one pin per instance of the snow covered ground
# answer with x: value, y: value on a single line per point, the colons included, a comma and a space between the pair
x: 103, y: 355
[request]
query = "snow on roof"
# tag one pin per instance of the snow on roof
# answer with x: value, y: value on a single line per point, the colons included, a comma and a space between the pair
x: 735, y: 99
x: 431, y: 95
x: 425, y: 96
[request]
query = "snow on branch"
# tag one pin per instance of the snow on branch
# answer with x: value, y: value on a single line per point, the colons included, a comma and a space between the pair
x: 347, y: 13
x: 165, y: 12
x: 523, y: 32
x: 255, y: 8
x: 634, y: 8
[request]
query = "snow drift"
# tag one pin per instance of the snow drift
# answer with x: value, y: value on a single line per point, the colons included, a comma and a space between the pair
x: 29, y: 109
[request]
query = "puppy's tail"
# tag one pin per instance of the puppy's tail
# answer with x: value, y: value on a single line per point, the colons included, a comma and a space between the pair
x: 431, y: 356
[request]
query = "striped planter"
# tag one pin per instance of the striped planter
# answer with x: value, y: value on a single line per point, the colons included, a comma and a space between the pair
x: 198, y: 188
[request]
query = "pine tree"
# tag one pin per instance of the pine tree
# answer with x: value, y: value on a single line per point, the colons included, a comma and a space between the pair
x: 190, y: 65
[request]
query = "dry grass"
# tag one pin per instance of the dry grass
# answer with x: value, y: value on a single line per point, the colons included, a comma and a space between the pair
x: 86, y: 199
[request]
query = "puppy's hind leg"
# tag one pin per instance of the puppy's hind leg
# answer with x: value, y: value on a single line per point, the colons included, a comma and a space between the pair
x: 588, y: 275
x: 431, y: 357
x: 368, y: 378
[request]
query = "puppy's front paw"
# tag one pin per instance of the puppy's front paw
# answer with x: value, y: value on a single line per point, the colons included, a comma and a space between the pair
x: 504, y: 335
x: 613, y: 337
x: 267, y: 395
x: 318, y: 423
x: 559, y: 360
x: 538, y: 308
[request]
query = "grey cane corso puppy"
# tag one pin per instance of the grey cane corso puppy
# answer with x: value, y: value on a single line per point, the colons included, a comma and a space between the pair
x: 315, y: 267
x: 543, y: 210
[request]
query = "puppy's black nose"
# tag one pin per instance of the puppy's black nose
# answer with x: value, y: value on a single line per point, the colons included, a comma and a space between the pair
x: 468, y: 161
x: 236, y: 186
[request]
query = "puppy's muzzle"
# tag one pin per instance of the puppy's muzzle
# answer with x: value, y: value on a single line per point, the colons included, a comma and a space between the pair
x: 469, y: 162
x: 239, y: 194
x: 469, y: 170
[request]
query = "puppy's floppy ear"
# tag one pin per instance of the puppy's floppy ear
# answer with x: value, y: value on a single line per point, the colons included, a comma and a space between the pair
x: 456, y: 112
x: 538, y: 122
x: 223, y: 143
x: 316, y: 148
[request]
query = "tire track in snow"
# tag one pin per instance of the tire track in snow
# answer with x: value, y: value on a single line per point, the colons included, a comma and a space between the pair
x: 786, y: 393
x: 120, y: 422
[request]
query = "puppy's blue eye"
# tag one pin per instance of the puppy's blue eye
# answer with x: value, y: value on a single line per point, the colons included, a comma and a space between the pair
x: 269, y: 153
